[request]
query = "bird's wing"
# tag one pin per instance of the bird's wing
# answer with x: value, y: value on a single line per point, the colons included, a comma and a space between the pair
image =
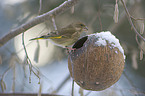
x: 75, y: 35
x: 67, y: 31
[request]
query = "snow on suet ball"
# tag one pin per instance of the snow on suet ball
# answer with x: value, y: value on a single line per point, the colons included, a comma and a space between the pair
x: 107, y: 36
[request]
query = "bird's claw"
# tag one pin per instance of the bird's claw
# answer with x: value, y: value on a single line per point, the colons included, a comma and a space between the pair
x: 69, y: 49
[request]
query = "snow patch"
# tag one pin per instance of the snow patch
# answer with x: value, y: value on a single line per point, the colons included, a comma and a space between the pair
x: 112, y: 40
x: 101, y: 42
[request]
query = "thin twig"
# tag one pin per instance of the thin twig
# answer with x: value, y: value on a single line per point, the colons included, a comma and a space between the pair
x: 139, y: 44
x: 37, y: 20
x: 130, y: 20
x: 72, y: 91
x: 122, y: 18
x: 2, y: 80
x: 40, y: 90
x: 14, y: 78
x: 29, y: 61
x: 1, y: 61
x: 23, y: 43
x: 5, y: 72
x: 137, y: 18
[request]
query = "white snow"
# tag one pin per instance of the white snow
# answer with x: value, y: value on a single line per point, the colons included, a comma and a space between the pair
x: 107, y: 36
x: 101, y: 42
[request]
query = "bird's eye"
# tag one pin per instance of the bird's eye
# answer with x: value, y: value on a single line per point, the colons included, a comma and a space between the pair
x: 82, y: 25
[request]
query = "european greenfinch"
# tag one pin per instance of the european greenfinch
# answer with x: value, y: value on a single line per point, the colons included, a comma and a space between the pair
x: 66, y: 36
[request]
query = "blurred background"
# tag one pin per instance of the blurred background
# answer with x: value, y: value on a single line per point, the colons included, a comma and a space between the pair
x: 50, y: 61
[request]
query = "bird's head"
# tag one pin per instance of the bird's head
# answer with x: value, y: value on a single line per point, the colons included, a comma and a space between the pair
x: 80, y: 26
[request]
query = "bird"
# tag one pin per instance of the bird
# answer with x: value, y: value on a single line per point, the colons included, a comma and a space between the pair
x: 66, y: 36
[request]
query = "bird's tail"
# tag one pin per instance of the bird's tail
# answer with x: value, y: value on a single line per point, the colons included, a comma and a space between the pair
x: 47, y: 37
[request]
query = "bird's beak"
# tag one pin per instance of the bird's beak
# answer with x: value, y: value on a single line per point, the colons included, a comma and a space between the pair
x: 86, y: 29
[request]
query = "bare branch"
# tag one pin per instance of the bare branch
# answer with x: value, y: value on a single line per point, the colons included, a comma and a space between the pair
x: 130, y: 20
x: 37, y: 20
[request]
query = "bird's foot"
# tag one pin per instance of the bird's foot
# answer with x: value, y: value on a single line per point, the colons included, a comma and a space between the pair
x: 69, y: 49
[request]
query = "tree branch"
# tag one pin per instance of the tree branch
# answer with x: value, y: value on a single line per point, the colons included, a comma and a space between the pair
x: 37, y: 20
x: 130, y: 20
